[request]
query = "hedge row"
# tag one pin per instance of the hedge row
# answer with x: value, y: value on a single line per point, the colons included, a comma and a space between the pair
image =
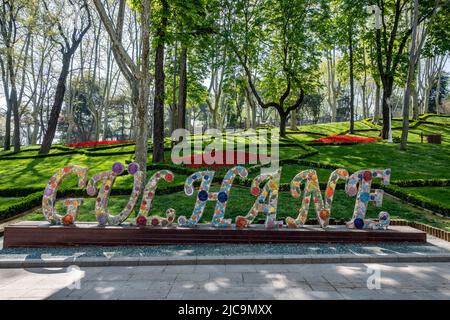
x: 21, y: 205
x: 422, y: 183
x: 307, y: 132
x: 38, y: 155
x: 418, y: 200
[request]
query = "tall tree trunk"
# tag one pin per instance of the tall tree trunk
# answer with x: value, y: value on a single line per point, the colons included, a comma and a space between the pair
x: 332, y: 90
x: 364, y: 100
x: 413, y: 55
x: 182, y: 89
x: 283, y: 117
x: 386, y: 105
x: 144, y: 93
x: 376, y: 113
x: 158, y: 110
x: 294, y: 119
x: 7, y: 142
x: 57, y: 104
x: 174, y: 113
x: 415, y: 99
x: 16, y: 116
x: 352, y: 89
x: 438, y: 92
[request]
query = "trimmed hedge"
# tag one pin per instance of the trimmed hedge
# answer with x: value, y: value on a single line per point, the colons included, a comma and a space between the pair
x: 19, y: 191
x: 418, y: 200
x: 109, y: 146
x: 422, y: 183
x: 307, y: 132
x: 38, y: 155
x: 19, y: 206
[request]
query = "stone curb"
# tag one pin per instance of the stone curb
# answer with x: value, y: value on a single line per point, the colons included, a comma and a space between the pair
x: 215, y: 260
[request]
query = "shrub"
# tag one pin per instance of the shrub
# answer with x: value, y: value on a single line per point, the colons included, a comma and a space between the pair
x: 19, y: 206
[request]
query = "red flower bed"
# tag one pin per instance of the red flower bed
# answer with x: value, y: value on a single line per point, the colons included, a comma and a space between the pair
x: 225, y: 158
x: 345, y: 139
x: 86, y: 144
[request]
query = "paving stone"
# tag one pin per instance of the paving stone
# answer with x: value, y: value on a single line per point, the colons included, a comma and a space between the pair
x: 134, y: 293
x: 210, y: 268
x: 110, y: 276
x: 322, y: 287
x: 240, y: 268
x: 180, y: 269
x: 235, y: 282
x: 193, y: 276
x: 359, y: 294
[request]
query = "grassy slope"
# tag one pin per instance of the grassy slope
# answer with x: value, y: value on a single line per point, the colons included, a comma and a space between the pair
x: 420, y: 161
x: 441, y: 194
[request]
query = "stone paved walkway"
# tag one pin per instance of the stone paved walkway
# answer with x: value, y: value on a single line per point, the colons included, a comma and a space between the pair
x: 314, y: 281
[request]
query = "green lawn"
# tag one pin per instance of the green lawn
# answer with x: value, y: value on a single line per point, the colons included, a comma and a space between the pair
x: 420, y: 161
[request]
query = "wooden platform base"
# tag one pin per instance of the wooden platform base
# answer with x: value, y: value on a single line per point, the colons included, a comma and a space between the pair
x: 42, y: 234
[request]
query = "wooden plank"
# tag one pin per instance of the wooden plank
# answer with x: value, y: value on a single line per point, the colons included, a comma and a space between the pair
x: 41, y: 234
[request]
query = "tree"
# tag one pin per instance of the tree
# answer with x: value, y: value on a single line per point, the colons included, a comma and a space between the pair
x: 10, y: 60
x: 137, y: 75
x: 68, y: 45
x: 414, y: 55
x: 158, y: 109
x: 391, y: 40
x: 287, y: 58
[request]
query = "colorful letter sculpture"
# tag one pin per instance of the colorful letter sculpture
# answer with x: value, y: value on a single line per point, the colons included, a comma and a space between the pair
x: 108, y: 178
x: 204, y: 195
x: 312, y: 188
x: 48, y: 200
x: 223, y: 195
x: 364, y: 195
x: 266, y: 202
x: 382, y: 224
x: 147, y: 200
x: 358, y: 184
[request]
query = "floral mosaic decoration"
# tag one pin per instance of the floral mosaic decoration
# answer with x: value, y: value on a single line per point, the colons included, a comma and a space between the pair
x: 107, y: 178
x: 49, y: 198
x: 203, y: 196
x: 147, y: 200
x: 266, y: 202
x: 312, y: 192
x: 223, y: 195
x: 364, y: 195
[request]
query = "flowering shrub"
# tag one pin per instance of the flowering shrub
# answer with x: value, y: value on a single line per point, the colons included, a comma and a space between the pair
x: 345, y: 139
x: 86, y: 144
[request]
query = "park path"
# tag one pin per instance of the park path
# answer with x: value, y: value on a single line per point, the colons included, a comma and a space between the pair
x: 284, y: 281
